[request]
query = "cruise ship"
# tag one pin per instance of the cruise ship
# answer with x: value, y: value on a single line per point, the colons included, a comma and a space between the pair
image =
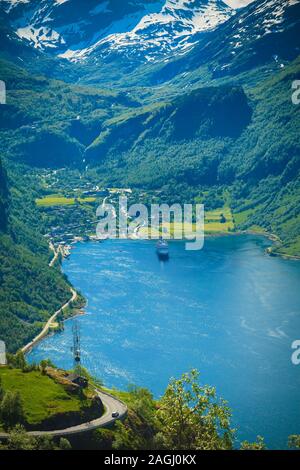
x: 162, y: 249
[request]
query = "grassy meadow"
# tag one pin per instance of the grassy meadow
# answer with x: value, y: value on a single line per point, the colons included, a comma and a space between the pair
x: 42, y: 398
x: 212, y: 225
x: 57, y: 200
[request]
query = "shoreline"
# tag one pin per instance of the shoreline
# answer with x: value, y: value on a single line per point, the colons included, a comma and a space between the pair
x: 29, y: 346
x: 277, y: 242
x: 46, y: 329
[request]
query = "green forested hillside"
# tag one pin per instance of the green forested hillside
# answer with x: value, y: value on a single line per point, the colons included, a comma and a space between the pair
x: 208, y: 113
x: 226, y: 137
x: 242, y: 140
x: 211, y: 127
x: 3, y: 198
x: 48, y: 122
x: 29, y: 290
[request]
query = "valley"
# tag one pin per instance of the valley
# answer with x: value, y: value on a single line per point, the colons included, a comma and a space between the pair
x: 166, y: 102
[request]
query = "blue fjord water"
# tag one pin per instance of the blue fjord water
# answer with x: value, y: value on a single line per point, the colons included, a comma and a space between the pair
x: 228, y: 310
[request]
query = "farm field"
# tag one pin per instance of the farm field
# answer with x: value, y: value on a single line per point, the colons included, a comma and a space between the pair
x: 56, y: 200
x: 212, y: 224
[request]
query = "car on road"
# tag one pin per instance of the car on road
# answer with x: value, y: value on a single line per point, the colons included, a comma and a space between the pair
x: 115, y: 414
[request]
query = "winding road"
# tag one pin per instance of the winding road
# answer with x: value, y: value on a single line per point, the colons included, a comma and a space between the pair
x: 46, y: 328
x: 111, y: 405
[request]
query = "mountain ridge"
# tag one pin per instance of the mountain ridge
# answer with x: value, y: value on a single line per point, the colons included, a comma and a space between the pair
x: 150, y: 30
x: 152, y: 129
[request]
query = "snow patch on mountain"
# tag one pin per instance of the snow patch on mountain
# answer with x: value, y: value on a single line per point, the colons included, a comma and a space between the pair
x: 9, y: 4
x: 150, y: 30
x: 158, y: 34
x: 268, y: 17
x: 48, y: 37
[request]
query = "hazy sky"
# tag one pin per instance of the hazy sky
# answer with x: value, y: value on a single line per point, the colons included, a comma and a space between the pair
x: 238, y: 3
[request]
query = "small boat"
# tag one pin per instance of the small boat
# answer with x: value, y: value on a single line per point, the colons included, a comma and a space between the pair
x: 162, y: 249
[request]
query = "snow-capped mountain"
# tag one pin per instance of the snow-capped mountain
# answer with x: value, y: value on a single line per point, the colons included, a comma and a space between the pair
x: 262, y: 18
x: 173, y: 28
x: 80, y: 29
x: 264, y: 31
x: 61, y: 24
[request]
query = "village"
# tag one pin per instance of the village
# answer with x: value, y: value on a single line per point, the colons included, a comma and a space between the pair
x: 69, y: 210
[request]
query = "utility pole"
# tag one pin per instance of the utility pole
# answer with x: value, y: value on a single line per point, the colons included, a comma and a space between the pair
x: 76, y: 345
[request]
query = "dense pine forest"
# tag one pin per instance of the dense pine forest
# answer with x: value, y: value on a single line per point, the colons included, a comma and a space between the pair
x: 30, y: 291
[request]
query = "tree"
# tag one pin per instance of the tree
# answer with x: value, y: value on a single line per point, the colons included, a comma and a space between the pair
x: 44, y: 442
x: 1, y: 390
x: 44, y: 363
x: 143, y: 404
x: 18, y: 439
x: 17, y: 361
x: 191, y: 417
x: 100, y: 439
x: 64, y: 444
x: 294, y: 441
x: 125, y: 437
x: 20, y: 361
x: 258, y: 445
x: 11, y: 409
